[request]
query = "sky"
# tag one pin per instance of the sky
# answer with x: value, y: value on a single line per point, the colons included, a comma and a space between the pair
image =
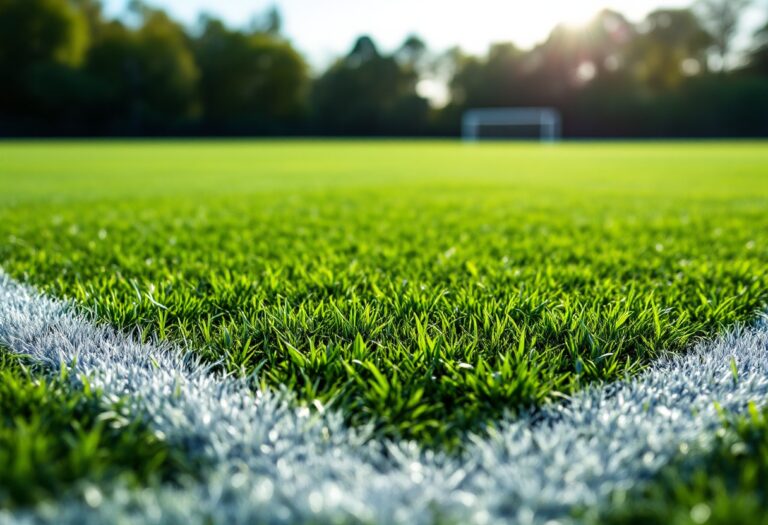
x: 324, y: 29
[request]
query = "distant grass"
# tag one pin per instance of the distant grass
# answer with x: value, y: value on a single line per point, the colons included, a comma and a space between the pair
x: 427, y: 287
x: 55, y: 441
x: 727, y: 487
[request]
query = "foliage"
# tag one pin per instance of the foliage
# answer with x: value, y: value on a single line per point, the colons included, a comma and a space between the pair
x: 38, y: 38
x: 615, y: 78
x: 67, y: 69
x: 149, y: 74
x: 759, y: 55
x: 366, y: 91
x: 425, y: 287
x: 722, y: 18
x: 87, y: 74
x: 673, y: 41
x: 249, y: 79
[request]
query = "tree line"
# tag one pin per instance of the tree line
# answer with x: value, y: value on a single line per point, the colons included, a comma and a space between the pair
x: 69, y: 70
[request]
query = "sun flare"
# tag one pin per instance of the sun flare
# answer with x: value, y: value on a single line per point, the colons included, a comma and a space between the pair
x: 570, y: 14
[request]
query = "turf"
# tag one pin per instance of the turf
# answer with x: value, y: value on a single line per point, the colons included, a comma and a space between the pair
x: 57, y: 441
x: 726, y: 486
x: 424, y: 287
x: 268, y: 461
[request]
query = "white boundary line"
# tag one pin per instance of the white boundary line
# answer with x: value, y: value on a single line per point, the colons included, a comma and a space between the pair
x: 273, y: 463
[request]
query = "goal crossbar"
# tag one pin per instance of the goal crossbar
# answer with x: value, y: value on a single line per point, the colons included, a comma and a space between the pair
x: 548, y: 120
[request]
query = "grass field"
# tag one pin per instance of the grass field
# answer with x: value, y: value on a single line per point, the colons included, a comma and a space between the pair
x: 424, y: 288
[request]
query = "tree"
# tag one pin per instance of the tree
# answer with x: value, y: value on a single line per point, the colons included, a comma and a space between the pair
x: 36, y: 37
x: 92, y: 12
x: 493, y: 81
x: 722, y: 18
x: 146, y: 78
x: 672, y: 45
x: 362, y: 52
x: 270, y: 22
x: 412, y: 52
x: 253, y: 81
x: 604, y: 43
x: 550, y: 74
x: 758, y: 57
x: 368, y: 93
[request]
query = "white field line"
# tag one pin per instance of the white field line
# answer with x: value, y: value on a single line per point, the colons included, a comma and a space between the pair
x: 273, y: 463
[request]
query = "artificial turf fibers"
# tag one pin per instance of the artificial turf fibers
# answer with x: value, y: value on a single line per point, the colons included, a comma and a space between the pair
x: 58, y: 441
x: 726, y: 486
x: 426, y: 288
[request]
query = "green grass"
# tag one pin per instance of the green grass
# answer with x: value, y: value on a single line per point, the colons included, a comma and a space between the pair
x: 56, y: 441
x: 728, y: 486
x: 426, y: 287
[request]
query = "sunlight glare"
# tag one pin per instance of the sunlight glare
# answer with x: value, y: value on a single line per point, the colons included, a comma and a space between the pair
x: 569, y: 13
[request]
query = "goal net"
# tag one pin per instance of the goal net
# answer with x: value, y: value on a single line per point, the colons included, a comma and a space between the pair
x: 543, y: 124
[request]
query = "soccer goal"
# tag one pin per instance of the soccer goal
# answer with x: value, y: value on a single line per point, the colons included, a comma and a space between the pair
x: 544, y: 124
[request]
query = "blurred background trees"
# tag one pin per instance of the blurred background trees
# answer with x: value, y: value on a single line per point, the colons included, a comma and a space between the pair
x: 249, y: 81
x: 758, y: 58
x: 43, y: 44
x: 141, y: 78
x: 66, y: 69
x: 721, y: 18
x: 367, y: 92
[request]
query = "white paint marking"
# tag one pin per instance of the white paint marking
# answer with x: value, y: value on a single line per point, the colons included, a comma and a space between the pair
x: 273, y: 463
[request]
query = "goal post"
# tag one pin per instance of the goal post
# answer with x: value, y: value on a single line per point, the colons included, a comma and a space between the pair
x: 547, y: 120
